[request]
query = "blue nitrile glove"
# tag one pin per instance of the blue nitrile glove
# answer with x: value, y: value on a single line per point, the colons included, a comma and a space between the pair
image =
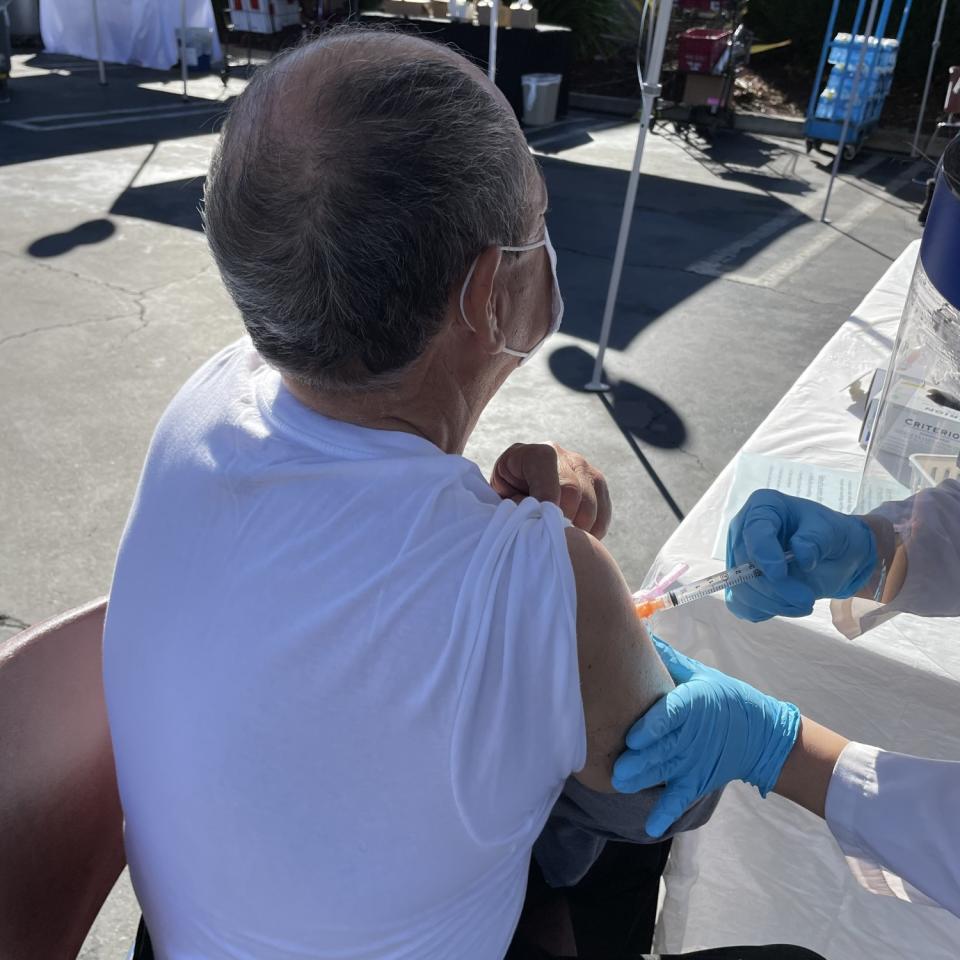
x: 834, y: 555
x: 708, y: 731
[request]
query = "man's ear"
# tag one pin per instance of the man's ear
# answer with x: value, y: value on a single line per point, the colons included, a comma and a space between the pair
x: 479, y: 300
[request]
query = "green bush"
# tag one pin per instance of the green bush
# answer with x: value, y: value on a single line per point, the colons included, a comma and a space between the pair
x: 590, y: 20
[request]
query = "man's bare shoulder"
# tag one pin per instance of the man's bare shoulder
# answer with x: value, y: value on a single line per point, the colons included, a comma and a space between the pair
x: 621, y: 675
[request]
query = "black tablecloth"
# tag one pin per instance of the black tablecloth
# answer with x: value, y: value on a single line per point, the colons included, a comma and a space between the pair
x: 547, y: 49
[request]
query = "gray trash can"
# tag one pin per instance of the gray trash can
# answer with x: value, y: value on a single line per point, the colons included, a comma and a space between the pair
x: 541, y: 92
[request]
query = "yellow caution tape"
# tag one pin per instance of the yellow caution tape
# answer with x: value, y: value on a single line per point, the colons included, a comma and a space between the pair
x: 764, y: 47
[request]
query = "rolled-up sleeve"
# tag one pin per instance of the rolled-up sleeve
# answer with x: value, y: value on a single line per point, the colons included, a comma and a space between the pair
x: 583, y: 820
x: 895, y: 818
x: 928, y: 524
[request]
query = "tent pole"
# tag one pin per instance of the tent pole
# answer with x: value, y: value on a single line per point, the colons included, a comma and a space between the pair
x: 650, y: 89
x: 183, y: 47
x: 492, y: 52
x: 855, y: 90
x: 96, y: 37
x: 934, y: 49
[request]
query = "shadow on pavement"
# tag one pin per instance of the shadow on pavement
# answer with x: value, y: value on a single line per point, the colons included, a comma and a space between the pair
x: 54, y: 115
x: 742, y: 158
x: 175, y: 202
x: 676, y: 225
x: 638, y: 414
x: 645, y: 415
x: 56, y: 244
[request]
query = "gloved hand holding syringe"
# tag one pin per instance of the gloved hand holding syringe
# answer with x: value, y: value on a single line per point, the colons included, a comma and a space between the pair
x: 723, y: 580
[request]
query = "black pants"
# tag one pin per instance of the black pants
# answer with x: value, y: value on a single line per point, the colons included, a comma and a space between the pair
x: 776, y: 951
x: 612, y: 911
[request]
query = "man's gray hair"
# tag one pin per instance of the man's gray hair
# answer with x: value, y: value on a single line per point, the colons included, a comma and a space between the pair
x: 358, y: 177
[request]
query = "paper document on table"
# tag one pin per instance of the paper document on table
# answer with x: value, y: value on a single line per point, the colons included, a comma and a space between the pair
x: 837, y: 489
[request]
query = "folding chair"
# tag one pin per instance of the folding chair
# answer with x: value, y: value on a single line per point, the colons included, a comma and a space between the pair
x: 61, y: 826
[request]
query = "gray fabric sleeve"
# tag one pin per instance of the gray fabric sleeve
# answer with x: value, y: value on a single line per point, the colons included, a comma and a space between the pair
x: 930, y: 529
x: 583, y: 820
x: 929, y: 525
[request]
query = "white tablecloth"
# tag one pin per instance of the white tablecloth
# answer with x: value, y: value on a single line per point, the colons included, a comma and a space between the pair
x: 764, y: 871
x: 140, y: 32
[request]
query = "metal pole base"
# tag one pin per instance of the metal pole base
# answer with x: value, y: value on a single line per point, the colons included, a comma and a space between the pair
x: 597, y: 386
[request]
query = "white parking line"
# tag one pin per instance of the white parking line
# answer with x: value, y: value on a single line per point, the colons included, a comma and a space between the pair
x: 717, y: 264
x: 788, y: 265
x: 106, y: 118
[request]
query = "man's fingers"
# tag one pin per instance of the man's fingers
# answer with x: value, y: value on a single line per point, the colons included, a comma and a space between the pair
x: 587, y: 513
x: 549, y: 473
x: 504, y: 481
x: 528, y: 470
x: 571, y: 499
x: 604, y: 506
x: 540, y: 471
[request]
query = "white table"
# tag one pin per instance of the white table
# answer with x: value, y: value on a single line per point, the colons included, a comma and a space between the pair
x: 140, y: 32
x: 766, y: 871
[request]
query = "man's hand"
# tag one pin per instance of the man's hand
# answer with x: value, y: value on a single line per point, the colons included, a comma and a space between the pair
x: 547, y: 472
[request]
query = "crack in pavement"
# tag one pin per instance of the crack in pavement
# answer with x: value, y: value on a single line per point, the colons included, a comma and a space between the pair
x: 693, y: 456
x: 99, y: 281
x: 139, y: 298
x: 71, y: 273
x: 63, y: 326
x: 142, y: 321
x: 8, y: 620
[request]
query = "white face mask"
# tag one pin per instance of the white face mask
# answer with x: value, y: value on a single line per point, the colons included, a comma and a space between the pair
x: 557, y: 306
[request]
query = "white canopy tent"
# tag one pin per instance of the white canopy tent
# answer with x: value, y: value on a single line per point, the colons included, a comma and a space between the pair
x: 142, y: 33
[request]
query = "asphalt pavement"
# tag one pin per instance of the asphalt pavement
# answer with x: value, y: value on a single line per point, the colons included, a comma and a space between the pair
x: 110, y: 300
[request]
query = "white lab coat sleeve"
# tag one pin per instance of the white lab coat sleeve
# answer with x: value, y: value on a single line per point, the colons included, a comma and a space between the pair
x: 895, y: 818
x: 928, y: 523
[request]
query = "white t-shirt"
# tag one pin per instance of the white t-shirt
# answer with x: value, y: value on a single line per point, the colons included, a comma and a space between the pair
x: 342, y: 683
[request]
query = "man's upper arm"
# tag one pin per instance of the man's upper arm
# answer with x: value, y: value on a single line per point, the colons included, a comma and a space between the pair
x: 621, y: 675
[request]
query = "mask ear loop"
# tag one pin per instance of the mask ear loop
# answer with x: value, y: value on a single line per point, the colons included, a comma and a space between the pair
x: 463, y: 294
x: 470, y: 272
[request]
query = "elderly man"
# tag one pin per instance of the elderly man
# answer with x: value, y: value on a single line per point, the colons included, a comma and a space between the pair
x: 347, y: 677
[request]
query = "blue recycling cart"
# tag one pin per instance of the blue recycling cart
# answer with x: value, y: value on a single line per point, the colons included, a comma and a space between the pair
x: 830, y: 100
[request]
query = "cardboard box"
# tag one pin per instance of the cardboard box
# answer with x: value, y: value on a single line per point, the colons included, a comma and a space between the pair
x: 484, y: 10
x: 703, y: 90
x: 407, y: 8
x: 523, y: 18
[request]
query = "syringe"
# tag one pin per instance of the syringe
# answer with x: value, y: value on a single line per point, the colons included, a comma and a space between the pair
x: 701, y: 588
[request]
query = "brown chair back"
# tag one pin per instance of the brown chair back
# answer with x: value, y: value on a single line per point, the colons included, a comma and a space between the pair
x: 61, y: 826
